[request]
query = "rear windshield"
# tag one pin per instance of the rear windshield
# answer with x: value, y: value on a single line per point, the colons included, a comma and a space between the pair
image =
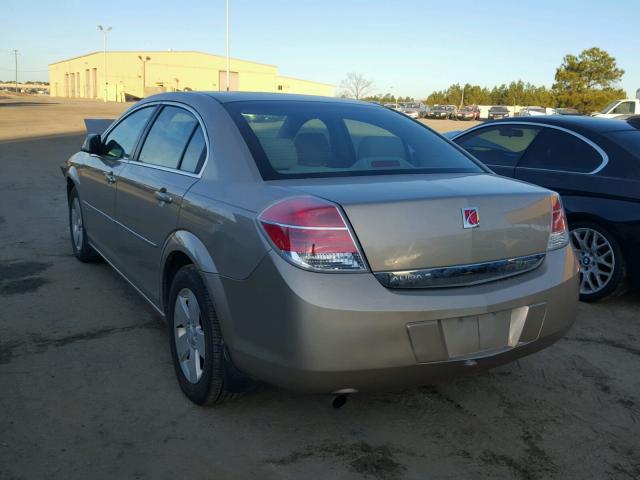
x: 293, y: 139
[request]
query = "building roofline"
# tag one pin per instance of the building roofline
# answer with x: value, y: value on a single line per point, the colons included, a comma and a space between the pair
x: 141, y: 52
x: 304, y: 80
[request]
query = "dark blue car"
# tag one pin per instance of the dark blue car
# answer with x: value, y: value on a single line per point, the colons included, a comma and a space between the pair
x: 595, y: 166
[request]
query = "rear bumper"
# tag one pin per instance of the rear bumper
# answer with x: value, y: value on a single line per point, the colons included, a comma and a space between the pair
x: 327, y: 332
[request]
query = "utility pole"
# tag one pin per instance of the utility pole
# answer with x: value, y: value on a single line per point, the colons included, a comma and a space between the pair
x: 144, y: 71
x: 15, y: 54
x: 104, y: 31
x: 228, y: 59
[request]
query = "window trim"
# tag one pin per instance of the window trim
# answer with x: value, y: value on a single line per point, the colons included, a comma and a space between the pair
x: 596, y: 147
x: 145, y: 132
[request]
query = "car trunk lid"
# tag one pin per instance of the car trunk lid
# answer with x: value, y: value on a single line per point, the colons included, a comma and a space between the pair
x: 409, y: 222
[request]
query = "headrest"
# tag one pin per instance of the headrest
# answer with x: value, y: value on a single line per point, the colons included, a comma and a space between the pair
x: 313, y: 149
x: 280, y: 151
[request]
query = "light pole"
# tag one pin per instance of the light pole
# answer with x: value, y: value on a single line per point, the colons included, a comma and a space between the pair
x: 105, y: 31
x: 228, y: 58
x: 15, y: 54
x: 144, y: 71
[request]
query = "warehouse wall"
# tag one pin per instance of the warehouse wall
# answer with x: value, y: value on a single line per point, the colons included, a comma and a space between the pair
x: 83, y: 77
x: 296, y: 85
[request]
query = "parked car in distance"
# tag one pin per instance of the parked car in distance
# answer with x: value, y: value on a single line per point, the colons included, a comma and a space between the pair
x: 567, y: 111
x: 532, y: 111
x: 337, y: 247
x: 469, y: 112
x: 496, y: 112
x: 595, y: 166
x: 413, y: 110
x: 617, y: 108
x: 442, y: 111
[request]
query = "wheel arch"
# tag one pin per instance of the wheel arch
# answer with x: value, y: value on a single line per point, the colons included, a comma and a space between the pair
x: 182, y: 248
x: 73, y: 180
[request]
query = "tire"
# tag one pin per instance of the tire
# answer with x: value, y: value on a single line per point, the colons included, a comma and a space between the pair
x: 200, y: 376
x: 602, y: 267
x: 77, y: 231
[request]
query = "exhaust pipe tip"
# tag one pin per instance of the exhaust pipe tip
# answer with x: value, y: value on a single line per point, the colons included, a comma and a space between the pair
x: 339, y: 401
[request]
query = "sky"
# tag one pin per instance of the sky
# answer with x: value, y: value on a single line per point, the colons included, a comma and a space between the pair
x: 407, y: 47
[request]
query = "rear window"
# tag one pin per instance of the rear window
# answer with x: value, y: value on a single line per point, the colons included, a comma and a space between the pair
x: 293, y: 139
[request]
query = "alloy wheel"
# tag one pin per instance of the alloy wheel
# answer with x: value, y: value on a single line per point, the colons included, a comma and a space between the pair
x: 76, y: 224
x: 188, y: 335
x: 596, y: 258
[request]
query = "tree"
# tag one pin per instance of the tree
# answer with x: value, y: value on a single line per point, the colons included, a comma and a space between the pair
x: 587, y: 82
x: 356, y: 86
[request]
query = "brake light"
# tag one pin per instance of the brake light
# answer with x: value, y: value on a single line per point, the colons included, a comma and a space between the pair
x: 311, y: 233
x: 559, y: 232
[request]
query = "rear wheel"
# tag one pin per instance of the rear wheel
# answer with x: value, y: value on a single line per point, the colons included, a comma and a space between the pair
x: 79, y: 241
x: 602, y: 271
x: 196, y: 340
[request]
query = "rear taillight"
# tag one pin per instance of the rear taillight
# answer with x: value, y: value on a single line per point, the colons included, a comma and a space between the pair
x: 559, y: 232
x: 311, y: 233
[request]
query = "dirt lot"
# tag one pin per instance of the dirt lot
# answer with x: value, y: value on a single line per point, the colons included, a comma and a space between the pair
x: 87, y: 388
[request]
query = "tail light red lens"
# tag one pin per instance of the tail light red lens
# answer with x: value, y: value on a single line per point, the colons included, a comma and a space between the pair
x: 311, y: 233
x: 559, y: 231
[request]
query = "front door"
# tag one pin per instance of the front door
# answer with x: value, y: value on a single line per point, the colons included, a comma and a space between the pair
x: 150, y: 193
x: 99, y: 175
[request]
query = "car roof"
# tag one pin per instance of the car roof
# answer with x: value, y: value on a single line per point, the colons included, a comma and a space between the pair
x: 578, y: 122
x: 227, y: 97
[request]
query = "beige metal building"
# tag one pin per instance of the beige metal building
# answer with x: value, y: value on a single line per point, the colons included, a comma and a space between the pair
x: 132, y: 75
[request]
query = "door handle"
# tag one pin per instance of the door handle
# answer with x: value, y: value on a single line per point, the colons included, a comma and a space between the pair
x: 162, y: 196
x: 111, y: 178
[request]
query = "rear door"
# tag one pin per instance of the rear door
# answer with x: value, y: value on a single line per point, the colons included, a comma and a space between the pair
x: 500, y: 147
x: 151, y: 189
x: 99, y: 175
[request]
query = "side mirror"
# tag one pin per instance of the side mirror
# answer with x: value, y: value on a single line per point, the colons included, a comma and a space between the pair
x: 92, y: 144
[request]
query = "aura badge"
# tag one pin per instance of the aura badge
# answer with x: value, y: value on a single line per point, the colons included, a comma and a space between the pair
x: 470, y: 217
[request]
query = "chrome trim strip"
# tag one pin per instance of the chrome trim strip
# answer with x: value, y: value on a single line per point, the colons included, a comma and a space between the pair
x: 118, y: 223
x: 158, y: 167
x: 460, y: 275
x: 596, y: 147
x: 285, y: 225
x: 128, y: 281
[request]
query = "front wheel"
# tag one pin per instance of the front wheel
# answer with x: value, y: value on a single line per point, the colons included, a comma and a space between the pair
x: 602, y: 270
x: 196, y: 339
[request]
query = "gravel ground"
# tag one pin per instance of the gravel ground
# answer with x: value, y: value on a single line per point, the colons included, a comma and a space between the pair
x: 87, y: 389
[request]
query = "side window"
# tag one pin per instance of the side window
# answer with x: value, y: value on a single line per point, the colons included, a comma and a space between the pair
x: 195, y: 153
x: 625, y: 108
x: 168, y: 137
x: 122, y: 139
x: 558, y: 150
x: 500, y: 145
